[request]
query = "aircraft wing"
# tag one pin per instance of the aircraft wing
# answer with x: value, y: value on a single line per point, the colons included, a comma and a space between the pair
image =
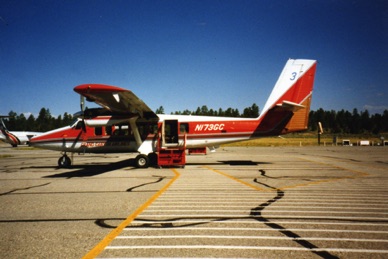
x: 115, y: 99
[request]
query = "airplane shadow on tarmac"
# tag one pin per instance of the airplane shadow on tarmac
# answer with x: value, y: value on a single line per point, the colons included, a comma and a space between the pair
x: 244, y: 162
x: 89, y: 170
x: 232, y: 163
x: 97, y: 169
x: 94, y: 169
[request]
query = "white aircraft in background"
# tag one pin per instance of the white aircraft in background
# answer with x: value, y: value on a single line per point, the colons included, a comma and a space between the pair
x: 126, y: 124
x: 15, y: 138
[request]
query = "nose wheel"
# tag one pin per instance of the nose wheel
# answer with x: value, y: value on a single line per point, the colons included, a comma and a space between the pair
x: 64, y: 161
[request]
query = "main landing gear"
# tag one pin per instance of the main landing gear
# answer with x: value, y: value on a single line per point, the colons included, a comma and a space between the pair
x: 144, y: 161
x: 64, y: 161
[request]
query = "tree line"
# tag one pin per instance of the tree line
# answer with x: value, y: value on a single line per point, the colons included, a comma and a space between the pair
x: 338, y: 122
x: 249, y: 112
x: 349, y: 122
x: 44, y: 122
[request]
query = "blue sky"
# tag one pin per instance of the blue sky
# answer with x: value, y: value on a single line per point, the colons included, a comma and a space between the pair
x: 185, y: 54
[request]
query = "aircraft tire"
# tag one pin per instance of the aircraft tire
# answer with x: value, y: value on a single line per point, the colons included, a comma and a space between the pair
x: 64, y: 161
x: 142, y: 161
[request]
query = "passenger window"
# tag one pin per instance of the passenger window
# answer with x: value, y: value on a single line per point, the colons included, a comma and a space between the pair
x: 98, y: 131
x: 108, y: 130
x: 184, y: 128
x: 121, y: 130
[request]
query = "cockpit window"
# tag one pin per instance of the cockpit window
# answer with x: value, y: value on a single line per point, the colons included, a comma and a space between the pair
x: 80, y: 125
x: 74, y: 122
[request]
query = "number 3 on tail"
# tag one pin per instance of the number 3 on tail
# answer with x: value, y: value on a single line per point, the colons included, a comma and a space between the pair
x: 293, y: 76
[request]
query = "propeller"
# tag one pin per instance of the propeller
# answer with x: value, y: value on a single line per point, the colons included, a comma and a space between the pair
x: 82, y: 104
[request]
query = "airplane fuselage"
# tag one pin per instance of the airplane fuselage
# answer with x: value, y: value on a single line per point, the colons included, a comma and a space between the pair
x: 198, y: 131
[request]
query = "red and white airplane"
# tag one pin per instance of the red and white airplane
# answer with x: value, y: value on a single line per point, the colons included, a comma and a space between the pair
x: 15, y: 138
x: 127, y: 124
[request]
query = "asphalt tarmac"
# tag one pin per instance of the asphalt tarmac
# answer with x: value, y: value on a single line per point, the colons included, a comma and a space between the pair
x: 267, y: 202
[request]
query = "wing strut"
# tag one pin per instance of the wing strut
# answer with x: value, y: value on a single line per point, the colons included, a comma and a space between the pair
x: 135, y: 130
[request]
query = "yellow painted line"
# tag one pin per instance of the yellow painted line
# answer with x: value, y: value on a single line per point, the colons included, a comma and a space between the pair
x: 238, y: 180
x: 112, y: 235
x: 357, y: 174
x: 312, y: 183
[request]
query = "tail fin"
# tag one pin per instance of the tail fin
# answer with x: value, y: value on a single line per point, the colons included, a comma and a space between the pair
x: 288, y: 106
x: 3, y: 128
x: 5, y: 135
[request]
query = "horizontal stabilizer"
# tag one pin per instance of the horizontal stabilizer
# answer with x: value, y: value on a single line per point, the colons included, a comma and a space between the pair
x: 292, y: 106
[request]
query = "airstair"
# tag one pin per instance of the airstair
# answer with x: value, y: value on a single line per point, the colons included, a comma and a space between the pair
x: 171, y: 146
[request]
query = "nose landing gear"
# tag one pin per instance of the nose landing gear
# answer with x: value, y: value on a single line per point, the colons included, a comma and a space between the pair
x: 64, y: 161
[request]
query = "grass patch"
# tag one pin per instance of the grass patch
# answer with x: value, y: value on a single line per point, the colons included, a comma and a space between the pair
x: 26, y: 148
x: 5, y: 156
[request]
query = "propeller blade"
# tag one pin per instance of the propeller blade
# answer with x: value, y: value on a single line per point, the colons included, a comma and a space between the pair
x: 82, y: 103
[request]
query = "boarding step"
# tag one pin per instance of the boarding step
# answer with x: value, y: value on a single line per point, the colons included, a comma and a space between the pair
x: 171, y: 157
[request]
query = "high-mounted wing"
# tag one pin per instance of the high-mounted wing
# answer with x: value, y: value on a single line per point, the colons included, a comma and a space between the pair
x: 115, y: 99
